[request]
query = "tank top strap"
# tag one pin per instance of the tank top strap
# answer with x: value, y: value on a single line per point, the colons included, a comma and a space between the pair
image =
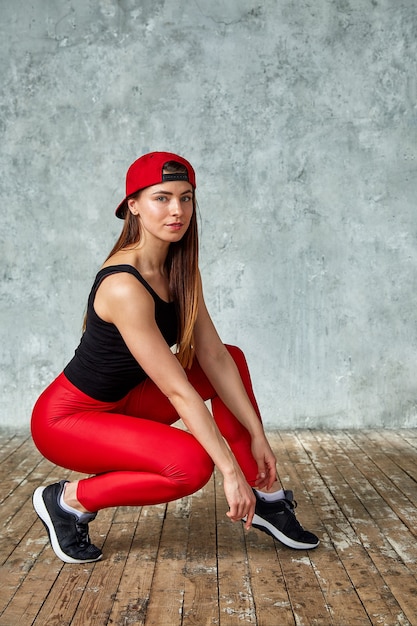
x: 117, y: 269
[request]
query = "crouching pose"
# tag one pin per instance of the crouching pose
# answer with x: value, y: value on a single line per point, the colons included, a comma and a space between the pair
x: 109, y: 414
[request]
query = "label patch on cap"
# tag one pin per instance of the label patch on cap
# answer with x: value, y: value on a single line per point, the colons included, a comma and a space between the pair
x: 170, y: 177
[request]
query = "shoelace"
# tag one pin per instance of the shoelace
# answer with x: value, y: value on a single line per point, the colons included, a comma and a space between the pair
x: 83, y: 538
x: 292, y: 504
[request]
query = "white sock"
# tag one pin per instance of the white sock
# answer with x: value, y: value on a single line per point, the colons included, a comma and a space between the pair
x: 272, y: 496
x: 68, y: 508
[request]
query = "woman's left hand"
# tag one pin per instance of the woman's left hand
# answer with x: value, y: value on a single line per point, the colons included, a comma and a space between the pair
x: 266, y: 461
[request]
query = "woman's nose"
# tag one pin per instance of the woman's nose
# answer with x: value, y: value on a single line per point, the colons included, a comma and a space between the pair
x: 175, y: 206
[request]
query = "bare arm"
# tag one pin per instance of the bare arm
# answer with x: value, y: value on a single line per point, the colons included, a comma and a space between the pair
x: 223, y: 374
x: 124, y: 302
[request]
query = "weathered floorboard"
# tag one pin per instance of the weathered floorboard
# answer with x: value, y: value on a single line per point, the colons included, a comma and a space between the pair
x: 185, y: 564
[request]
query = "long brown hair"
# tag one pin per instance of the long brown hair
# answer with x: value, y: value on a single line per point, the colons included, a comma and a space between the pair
x: 182, y: 269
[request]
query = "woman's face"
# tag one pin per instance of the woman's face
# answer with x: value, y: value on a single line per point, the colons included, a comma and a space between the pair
x: 164, y: 210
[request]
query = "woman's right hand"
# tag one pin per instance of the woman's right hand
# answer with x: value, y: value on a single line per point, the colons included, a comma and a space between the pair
x: 240, y: 497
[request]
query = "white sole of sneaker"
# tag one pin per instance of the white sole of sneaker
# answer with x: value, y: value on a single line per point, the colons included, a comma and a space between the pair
x: 42, y: 511
x: 262, y: 524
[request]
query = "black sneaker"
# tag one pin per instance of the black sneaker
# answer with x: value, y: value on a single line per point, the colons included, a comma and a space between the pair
x: 67, y: 533
x: 278, y: 519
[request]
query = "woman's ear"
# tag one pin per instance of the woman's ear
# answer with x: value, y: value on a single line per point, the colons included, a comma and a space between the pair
x: 132, y: 206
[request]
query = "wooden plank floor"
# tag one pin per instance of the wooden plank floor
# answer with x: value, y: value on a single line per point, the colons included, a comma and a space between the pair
x: 185, y: 564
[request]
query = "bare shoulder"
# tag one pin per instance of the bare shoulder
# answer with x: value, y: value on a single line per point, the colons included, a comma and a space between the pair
x: 122, y: 292
x: 121, y: 284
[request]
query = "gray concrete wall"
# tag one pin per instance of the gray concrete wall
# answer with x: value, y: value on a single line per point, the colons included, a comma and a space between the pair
x: 300, y: 118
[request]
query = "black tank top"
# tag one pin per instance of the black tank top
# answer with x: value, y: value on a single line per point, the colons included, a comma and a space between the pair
x: 103, y: 367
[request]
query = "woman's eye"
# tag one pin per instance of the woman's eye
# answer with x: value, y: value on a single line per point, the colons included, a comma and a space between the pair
x: 186, y: 199
x: 161, y: 198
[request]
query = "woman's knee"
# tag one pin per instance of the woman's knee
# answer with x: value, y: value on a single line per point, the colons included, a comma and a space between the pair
x: 195, y: 470
x: 203, y: 467
x: 200, y: 477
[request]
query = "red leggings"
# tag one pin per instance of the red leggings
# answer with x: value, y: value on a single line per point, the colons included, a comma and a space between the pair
x: 136, y: 457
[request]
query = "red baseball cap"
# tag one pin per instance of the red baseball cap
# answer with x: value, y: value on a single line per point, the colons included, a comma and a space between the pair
x: 148, y: 170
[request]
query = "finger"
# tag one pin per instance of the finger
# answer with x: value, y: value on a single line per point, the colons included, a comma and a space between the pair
x: 272, y: 476
x: 262, y: 469
x: 260, y: 484
x: 241, y: 510
x: 261, y: 476
x: 249, y: 518
x: 232, y: 513
x: 237, y: 511
x: 262, y: 480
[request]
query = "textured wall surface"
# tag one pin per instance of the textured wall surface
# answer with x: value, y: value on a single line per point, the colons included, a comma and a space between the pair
x: 301, y: 121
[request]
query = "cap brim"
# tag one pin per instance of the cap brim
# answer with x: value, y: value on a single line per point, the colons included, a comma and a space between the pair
x: 122, y: 210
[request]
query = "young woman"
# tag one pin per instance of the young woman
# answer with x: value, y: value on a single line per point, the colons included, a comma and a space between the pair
x: 109, y: 414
